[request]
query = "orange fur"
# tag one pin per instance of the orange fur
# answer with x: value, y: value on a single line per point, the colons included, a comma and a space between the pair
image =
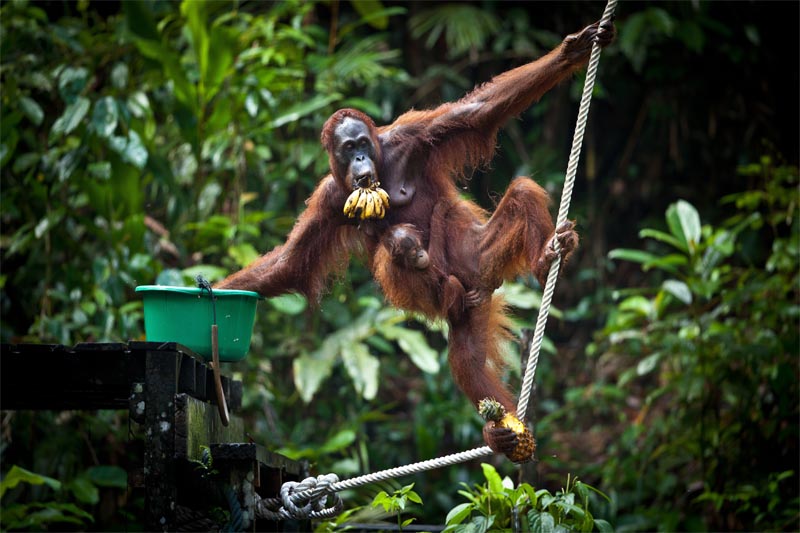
x: 417, y: 158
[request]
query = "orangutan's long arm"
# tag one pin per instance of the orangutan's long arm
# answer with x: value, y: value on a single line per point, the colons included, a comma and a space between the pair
x: 319, y: 244
x: 464, y: 132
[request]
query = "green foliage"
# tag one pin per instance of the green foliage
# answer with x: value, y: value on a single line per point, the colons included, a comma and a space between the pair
x: 377, y: 326
x: 711, y: 349
x: 154, y: 141
x: 139, y: 141
x: 73, y: 161
x: 18, y: 475
x: 464, y: 27
x: 499, y: 506
x: 205, y: 465
x: 339, y: 523
x: 38, y: 516
x: 396, y: 503
x: 381, y: 506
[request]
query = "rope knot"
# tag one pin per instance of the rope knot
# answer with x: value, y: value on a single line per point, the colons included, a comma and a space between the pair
x: 307, y: 499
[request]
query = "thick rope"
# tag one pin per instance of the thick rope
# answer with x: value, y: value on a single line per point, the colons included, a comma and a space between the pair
x: 313, y: 494
x: 563, y: 210
x: 306, y: 499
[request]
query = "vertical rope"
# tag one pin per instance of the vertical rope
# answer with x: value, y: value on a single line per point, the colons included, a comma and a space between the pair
x: 563, y: 210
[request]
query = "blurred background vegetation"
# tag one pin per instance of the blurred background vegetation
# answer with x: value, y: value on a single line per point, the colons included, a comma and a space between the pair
x: 146, y: 142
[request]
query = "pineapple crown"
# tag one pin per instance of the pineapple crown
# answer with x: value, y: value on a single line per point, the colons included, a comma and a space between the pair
x: 491, y: 409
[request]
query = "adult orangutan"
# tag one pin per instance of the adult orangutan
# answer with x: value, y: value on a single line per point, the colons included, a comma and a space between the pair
x: 430, y: 250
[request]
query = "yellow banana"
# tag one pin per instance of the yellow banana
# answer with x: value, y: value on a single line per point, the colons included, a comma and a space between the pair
x: 380, y: 210
x: 351, y: 202
x: 358, y: 210
x: 369, y: 209
x: 376, y: 205
x: 383, y: 195
x: 364, y: 203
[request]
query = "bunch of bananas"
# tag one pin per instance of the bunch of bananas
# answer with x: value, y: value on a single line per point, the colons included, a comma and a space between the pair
x: 367, y: 202
x: 491, y: 410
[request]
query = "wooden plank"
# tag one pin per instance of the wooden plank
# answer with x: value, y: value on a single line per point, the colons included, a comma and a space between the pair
x: 255, y: 452
x: 100, y: 347
x: 97, y: 375
x: 57, y: 377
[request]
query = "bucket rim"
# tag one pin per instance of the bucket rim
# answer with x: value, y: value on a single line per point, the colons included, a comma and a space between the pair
x: 196, y: 291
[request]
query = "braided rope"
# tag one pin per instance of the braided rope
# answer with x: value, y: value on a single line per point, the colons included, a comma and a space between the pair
x: 312, y: 493
x: 414, y: 468
x: 306, y: 499
x: 563, y: 209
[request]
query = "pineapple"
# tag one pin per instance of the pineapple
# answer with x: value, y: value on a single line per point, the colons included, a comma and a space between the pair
x: 492, y: 411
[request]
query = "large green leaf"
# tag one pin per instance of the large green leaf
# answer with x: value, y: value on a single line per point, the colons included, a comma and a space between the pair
x: 338, y: 442
x: 196, y: 14
x: 678, y: 289
x: 130, y: 148
x: 723, y: 245
x: 19, y: 475
x: 362, y: 367
x: 71, y: 83
x: 84, y: 490
x: 310, y: 370
x: 648, y: 364
x: 641, y: 29
x: 636, y: 256
x: 289, y: 304
x: 71, y: 118
x: 7, y: 147
x: 661, y: 236
x: 104, y: 116
x: 639, y: 305
x: 221, y: 53
x: 298, y: 111
x: 243, y: 253
x: 541, y: 522
x: 669, y: 263
x: 32, y: 110
x: 493, y: 479
x: 684, y: 223
x: 119, y: 75
x: 108, y: 476
x: 414, y: 344
x: 520, y: 296
x: 458, y: 514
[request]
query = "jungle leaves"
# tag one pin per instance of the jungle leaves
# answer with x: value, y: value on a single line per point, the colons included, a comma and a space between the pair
x: 373, y: 328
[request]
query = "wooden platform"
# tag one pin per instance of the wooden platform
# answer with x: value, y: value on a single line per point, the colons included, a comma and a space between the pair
x: 169, y: 391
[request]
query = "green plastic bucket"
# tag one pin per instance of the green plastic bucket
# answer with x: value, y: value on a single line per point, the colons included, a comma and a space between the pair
x: 184, y: 315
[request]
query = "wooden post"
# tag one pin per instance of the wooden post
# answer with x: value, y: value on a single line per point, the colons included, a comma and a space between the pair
x: 162, y: 370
